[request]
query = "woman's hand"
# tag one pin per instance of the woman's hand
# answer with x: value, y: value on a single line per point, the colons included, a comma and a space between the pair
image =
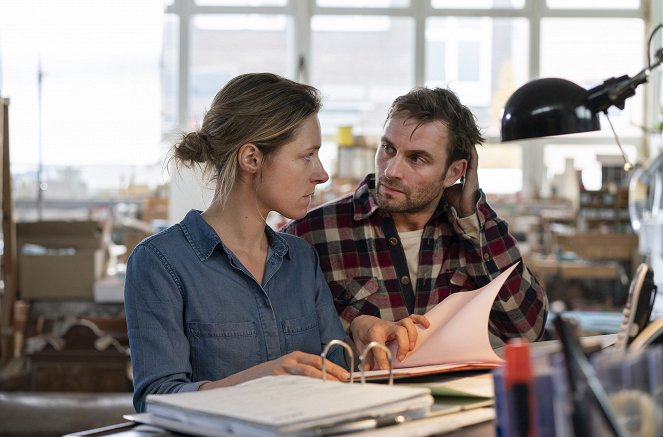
x: 294, y: 363
x: 302, y: 363
x: 366, y: 329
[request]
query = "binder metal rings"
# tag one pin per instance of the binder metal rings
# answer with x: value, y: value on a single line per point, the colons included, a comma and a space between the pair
x: 362, y: 357
x: 347, y: 347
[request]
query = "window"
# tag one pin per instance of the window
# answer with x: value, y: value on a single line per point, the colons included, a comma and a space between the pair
x: 115, y: 98
x: 84, y: 83
x: 256, y: 3
x: 361, y: 60
x: 482, y: 59
x: 478, y: 4
x: 360, y: 63
x: 592, y: 4
x: 363, y: 3
x: 570, y: 49
x: 224, y: 46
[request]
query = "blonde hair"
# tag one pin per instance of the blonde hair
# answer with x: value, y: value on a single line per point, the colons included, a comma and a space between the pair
x: 263, y: 109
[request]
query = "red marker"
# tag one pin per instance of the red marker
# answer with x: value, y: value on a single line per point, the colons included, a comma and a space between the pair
x: 519, y: 381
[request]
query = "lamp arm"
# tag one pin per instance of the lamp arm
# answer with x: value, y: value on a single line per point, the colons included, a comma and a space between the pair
x: 614, y: 91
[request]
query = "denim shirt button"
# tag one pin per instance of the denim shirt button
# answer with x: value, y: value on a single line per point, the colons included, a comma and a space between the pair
x: 405, y: 280
x: 393, y: 241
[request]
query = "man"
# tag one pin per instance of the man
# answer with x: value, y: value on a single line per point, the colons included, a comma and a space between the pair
x: 409, y: 236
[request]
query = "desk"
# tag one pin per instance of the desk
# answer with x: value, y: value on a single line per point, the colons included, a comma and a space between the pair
x: 545, y: 268
x: 486, y: 428
x: 575, y: 269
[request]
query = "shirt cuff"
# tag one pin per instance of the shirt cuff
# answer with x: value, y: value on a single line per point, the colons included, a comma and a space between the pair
x: 469, y: 225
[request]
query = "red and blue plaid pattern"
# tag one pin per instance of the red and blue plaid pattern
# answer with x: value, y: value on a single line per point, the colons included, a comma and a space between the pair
x: 357, y: 260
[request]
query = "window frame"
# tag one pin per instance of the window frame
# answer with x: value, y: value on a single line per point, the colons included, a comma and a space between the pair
x: 534, y: 11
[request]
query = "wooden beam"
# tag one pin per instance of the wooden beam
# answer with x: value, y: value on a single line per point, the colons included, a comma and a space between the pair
x: 9, y: 274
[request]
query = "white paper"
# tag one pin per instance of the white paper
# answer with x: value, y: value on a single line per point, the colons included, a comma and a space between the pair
x: 287, y: 404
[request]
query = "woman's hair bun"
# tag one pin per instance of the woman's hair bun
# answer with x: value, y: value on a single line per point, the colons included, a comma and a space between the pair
x: 193, y: 147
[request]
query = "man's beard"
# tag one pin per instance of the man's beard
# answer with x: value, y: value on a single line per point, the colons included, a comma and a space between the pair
x: 412, y: 203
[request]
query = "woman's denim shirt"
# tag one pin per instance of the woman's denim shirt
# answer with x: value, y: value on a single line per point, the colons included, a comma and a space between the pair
x: 195, y: 314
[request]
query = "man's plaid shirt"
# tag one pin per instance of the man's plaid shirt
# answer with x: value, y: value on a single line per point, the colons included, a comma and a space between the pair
x: 364, y: 263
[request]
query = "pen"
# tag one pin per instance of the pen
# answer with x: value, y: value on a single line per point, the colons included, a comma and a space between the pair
x: 519, y: 380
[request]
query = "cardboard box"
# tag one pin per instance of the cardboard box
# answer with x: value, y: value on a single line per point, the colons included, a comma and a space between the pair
x: 61, y: 259
x: 154, y: 208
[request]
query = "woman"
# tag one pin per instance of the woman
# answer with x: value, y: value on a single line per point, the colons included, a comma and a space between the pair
x: 220, y: 298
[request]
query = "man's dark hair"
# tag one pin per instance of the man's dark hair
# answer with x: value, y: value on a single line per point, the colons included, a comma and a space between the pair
x: 440, y: 104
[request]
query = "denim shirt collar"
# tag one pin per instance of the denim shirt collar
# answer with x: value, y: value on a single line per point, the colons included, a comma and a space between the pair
x: 204, y: 239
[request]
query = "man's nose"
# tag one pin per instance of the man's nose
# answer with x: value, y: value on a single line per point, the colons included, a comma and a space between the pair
x: 393, y: 169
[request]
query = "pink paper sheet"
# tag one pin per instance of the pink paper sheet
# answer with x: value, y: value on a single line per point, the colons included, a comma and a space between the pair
x: 458, y: 331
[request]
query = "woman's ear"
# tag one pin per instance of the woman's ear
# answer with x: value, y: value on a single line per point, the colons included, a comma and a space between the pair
x: 454, y: 172
x: 250, y: 158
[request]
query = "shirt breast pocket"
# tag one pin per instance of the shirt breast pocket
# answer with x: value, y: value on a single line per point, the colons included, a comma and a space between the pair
x: 348, y: 291
x: 460, y: 281
x: 221, y: 349
x: 303, y: 334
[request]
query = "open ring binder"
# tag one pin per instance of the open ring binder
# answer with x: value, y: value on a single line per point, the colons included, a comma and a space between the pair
x: 370, y: 346
x: 347, y: 347
x: 362, y: 357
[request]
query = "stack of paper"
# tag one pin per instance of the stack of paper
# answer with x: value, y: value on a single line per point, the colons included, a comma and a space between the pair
x: 286, y: 405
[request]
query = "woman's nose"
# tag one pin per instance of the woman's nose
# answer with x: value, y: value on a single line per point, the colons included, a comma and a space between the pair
x: 320, y: 175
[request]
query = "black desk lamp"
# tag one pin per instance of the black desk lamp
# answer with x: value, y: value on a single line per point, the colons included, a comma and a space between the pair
x: 551, y: 106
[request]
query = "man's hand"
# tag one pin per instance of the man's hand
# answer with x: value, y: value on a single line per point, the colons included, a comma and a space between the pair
x: 464, y: 197
x: 366, y: 329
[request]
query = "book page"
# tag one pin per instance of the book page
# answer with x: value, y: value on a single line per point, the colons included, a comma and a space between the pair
x: 408, y: 372
x: 476, y: 386
x: 458, y: 329
x: 457, y: 338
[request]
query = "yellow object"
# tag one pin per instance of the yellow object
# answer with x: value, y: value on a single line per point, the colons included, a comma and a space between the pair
x: 344, y: 138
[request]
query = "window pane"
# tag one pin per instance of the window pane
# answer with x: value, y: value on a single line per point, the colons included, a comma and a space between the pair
x: 469, y: 57
x: 482, y: 59
x: 99, y: 88
x: 241, y: 2
x: 363, y: 3
x: 570, y: 49
x: 478, y: 4
x: 593, y: 4
x: 500, y: 168
x: 223, y: 46
x: 585, y: 158
x: 169, y: 85
x: 361, y: 64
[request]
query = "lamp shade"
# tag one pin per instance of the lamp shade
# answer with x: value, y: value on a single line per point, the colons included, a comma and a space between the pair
x: 546, y: 107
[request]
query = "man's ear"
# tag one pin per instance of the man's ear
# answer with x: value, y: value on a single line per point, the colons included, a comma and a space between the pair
x: 250, y: 158
x: 454, y: 172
